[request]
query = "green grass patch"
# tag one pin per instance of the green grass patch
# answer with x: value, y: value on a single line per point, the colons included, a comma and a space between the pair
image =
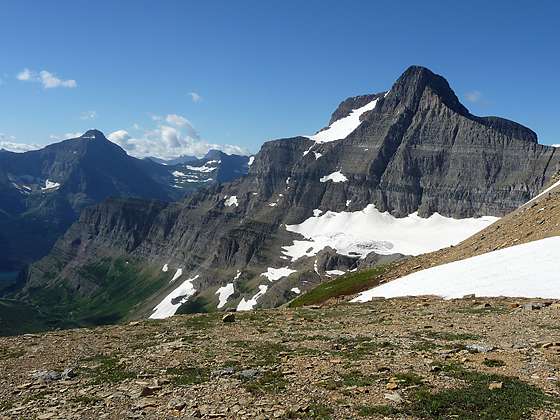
x: 358, y: 348
x: 263, y: 353
x: 478, y: 310
x: 345, y: 285
x: 189, y: 375
x: 201, y: 322
x: 356, y: 378
x: 316, y: 411
x: 409, y: 379
x: 86, y: 400
x: 493, y: 363
x: 268, y: 382
x: 106, y: 369
x: 9, y: 353
x: 473, y: 400
x: 6, y: 404
x: 424, y: 345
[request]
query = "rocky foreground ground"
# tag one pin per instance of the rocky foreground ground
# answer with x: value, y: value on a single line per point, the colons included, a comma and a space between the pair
x: 399, y: 358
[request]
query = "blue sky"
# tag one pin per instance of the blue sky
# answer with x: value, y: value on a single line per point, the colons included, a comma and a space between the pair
x: 260, y: 69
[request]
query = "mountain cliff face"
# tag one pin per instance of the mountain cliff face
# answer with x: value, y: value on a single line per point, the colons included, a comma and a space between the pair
x: 415, y: 152
x: 42, y: 192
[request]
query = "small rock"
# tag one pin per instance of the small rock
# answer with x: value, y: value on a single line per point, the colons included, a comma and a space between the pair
x: 68, y: 373
x: 223, y: 372
x: 392, y: 385
x: 24, y: 386
x: 176, y: 404
x: 229, y: 317
x: 149, y: 390
x: 479, y: 348
x: 394, y: 396
x: 495, y: 385
x: 46, y: 376
x: 249, y: 373
x: 533, y: 306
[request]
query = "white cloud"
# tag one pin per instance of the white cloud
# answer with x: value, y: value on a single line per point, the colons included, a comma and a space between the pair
x: 9, y: 143
x: 169, y: 141
x: 473, y: 96
x: 195, y: 97
x: 555, y: 145
x: 88, y: 115
x: 46, y: 78
x: 24, y: 75
x: 177, y: 120
x: 50, y: 81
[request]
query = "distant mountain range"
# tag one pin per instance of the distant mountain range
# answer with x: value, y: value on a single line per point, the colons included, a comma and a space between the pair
x: 401, y: 172
x: 42, y: 192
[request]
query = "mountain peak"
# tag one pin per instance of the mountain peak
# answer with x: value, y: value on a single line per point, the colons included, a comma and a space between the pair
x: 93, y: 134
x: 410, y: 87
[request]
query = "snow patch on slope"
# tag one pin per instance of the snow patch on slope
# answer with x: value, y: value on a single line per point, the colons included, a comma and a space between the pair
x: 334, y: 177
x: 340, y: 129
x: 224, y: 293
x: 177, y: 274
x: 204, y: 168
x: 277, y: 273
x: 361, y: 232
x: 247, y: 305
x: 528, y: 270
x: 231, y: 201
x: 169, y: 305
x: 50, y: 185
x: 334, y: 272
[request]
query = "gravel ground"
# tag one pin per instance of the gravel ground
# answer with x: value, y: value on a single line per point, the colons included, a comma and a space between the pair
x: 342, y: 361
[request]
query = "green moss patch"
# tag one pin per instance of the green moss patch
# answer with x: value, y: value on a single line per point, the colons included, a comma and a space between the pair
x: 346, y: 285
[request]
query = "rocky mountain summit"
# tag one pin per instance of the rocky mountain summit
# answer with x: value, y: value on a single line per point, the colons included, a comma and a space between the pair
x: 405, y: 171
x: 42, y: 192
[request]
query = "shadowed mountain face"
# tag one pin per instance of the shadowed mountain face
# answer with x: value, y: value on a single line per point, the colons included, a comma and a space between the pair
x: 417, y: 149
x: 42, y: 192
